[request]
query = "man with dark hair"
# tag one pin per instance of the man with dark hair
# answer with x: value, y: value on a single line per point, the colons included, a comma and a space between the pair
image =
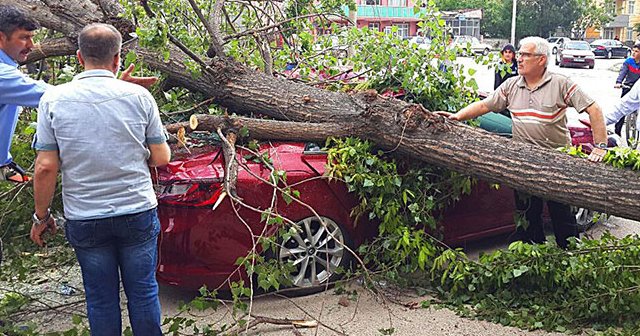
x: 103, y: 134
x: 629, y: 74
x: 16, y: 89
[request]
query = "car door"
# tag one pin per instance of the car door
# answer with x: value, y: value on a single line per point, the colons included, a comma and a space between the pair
x: 619, y: 49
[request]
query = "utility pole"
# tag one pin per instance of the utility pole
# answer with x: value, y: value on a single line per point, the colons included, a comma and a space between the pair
x: 513, y: 23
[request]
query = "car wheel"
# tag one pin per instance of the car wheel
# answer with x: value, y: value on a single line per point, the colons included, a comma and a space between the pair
x: 609, y: 54
x: 485, y: 52
x: 343, y: 54
x: 585, y: 218
x: 591, y: 66
x: 315, y: 249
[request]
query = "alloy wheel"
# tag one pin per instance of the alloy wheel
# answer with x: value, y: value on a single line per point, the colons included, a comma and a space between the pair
x: 316, y: 249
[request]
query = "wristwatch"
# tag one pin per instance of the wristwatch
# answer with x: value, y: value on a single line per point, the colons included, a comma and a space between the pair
x: 601, y: 145
x: 38, y: 221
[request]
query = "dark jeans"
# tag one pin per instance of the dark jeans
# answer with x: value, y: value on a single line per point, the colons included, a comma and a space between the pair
x: 564, y: 223
x: 119, y: 247
x: 620, y: 123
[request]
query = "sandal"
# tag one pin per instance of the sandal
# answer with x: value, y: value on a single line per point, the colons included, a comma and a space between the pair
x: 13, y: 173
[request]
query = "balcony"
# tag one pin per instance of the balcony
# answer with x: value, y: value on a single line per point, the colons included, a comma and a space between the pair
x: 620, y: 21
x: 366, y: 11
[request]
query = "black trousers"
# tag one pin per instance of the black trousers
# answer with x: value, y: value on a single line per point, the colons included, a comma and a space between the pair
x: 620, y: 122
x: 531, y: 207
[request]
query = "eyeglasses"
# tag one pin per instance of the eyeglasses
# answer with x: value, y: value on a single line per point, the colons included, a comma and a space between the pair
x: 524, y: 54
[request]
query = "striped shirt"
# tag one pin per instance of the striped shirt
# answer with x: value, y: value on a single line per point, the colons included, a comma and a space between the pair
x: 539, y: 114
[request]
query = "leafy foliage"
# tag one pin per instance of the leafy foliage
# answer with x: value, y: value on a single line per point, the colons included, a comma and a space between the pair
x: 537, y: 17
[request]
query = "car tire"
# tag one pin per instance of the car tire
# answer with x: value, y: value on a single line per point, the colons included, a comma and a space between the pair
x: 316, y: 262
x: 485, y: 52
x: 584, y: 218
x: 609, y: 54
x: 591, y: 66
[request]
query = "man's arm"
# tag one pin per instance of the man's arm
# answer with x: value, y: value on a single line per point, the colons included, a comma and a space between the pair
x: 623, y: 107
x: 160, y: 154
x: 18, y: 89
x: 44, y: 186
x: 599, y: 131
x: 623, y: 73
x: 471, y: 111
x: 597, y: 123
x: 44, y: 180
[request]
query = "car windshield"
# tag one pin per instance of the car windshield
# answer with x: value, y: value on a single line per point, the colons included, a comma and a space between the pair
x: 577, y: 45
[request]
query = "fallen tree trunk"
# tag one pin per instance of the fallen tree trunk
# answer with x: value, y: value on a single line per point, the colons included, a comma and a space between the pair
x: 312, y: 114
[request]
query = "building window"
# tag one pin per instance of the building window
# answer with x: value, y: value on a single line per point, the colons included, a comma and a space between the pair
x: 372, y: 2
x: 629, y: 34
x: 464, y: 26
x: 631, y: 6
x: 608, y: 33
x: 397, y: 3
x: 403, y: 29
x: 375, y: 26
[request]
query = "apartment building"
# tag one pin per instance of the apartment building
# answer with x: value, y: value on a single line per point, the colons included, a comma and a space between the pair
x: 383, y: 15
x: 627, y: 15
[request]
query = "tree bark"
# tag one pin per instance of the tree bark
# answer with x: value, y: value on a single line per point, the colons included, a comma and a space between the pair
x: 308, y: 113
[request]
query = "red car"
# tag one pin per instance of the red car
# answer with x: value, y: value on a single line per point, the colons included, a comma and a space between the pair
x: 203, y: 235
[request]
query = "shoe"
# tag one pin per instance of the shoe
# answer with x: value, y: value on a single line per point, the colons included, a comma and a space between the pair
x: 13, y: 173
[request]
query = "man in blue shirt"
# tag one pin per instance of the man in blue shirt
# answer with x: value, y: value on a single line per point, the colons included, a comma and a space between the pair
x: 16, y: 89
x: 103, y: 134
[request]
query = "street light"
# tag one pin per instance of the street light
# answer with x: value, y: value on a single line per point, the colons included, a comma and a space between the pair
x: 513, y: 24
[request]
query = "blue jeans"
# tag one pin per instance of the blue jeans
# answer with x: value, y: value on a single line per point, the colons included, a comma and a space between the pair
x: 128, y: 244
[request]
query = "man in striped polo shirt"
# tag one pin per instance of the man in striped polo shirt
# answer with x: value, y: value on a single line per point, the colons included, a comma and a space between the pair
x: 538, y: 101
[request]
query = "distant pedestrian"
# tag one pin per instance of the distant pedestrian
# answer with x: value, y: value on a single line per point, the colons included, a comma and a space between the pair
x: 507, y: 67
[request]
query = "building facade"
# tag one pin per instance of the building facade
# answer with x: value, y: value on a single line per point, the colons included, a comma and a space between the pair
x: 383, y: 15
x: 626, y: 16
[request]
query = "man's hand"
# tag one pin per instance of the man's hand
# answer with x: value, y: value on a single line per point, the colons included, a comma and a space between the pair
x: 147, y: 82
x: 617, y: 86
x: 448, y: 115
x: 38, y: 230
x: 597, y: 154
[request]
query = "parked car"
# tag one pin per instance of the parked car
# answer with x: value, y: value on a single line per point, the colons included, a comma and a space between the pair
x: 610, y: 49
x: 575, y: 53
x: 462, y: 41
x: 203, y: 234
x: 555, y: 42
x: 420, y: 41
